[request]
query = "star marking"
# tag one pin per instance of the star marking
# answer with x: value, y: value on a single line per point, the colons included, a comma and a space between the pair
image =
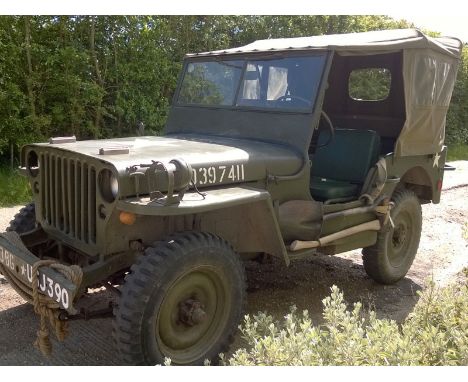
x: 436, y: 160
x: 23, y: 270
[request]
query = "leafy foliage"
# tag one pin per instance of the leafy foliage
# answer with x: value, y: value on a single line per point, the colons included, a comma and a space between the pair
x: 371, y: 84
x: 457, y: 116
x: 435, y: 333
x: 98, y: 77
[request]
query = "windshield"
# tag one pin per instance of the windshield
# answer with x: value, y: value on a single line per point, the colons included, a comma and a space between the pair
x: 287, y: 83
x: 210, y: 83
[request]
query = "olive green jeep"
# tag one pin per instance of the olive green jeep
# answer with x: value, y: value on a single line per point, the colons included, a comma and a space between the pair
x: 286, y: 147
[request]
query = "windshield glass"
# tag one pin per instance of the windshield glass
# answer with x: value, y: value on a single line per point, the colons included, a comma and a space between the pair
x: 210, y: 83
x: 286, y: 83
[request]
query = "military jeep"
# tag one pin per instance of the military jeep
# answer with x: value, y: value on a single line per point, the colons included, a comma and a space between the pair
x: 285, y: 147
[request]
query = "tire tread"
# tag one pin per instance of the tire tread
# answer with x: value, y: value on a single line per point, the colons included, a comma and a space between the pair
x: 374, y: 256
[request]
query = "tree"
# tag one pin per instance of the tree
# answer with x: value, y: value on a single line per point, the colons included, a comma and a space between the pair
x: 98, y: 77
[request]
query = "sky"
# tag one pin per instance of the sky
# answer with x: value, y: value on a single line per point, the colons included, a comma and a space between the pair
x: 448, y: 25
x: 445, y: 16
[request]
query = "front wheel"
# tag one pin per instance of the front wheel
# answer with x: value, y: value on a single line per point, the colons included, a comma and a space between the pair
x: 183, y: 300
x: 390, y: 258
x: 24, y: 220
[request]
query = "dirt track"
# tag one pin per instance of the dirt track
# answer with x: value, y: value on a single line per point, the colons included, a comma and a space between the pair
x: 272, y: 288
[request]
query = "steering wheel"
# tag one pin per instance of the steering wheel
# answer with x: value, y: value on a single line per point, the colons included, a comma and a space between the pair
x: 331, y: 137
x: 285, y: 97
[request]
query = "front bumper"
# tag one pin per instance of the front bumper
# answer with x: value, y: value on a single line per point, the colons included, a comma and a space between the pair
x: 16, y: 263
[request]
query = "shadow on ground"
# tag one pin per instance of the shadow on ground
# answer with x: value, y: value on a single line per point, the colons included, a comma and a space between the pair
x: 274, y: 288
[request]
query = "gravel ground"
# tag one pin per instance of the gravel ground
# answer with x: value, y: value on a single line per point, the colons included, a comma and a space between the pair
x: 271, y: 287
x: 6, y: 214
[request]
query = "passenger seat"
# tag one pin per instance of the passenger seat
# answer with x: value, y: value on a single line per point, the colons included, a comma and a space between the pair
x: 340, y: 168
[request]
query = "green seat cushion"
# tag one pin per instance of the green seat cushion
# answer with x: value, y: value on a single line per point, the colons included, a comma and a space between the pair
x: 340, y: 168
x: 324, y: 189
x: 348, y: 157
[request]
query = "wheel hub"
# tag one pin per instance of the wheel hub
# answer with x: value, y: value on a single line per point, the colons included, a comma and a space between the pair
x: 399, y: 236
x: 191, y: 312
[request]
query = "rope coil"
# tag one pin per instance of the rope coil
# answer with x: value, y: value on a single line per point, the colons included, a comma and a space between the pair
x: 47, y: 309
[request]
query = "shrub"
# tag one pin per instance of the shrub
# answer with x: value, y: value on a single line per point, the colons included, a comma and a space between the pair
x: 435, y: 333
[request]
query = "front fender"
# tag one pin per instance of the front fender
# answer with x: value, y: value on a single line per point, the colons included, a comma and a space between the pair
x: 242, y: 215
x: 194, y: 202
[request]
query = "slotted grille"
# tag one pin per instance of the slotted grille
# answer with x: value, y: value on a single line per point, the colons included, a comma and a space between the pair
x: 68, y: 196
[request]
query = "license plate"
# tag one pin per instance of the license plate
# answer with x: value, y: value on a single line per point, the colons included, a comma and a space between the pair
x: 49, y: 282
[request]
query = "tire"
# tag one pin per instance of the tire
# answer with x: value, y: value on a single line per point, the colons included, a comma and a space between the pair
x: 182, y: 300
x: 24, y: 220
x: 390, y: 258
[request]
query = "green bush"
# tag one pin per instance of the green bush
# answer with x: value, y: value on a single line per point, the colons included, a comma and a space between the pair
x: 435, y: 333
x: 457, y: 118
x: 100, y: 76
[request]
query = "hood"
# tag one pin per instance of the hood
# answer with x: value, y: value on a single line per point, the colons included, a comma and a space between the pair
x: 214, y: 160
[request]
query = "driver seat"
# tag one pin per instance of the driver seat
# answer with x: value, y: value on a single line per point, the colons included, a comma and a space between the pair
x: 340, y: 168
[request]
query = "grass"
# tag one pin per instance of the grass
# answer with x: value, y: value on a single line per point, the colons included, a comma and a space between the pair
x: 14, y: 188
x: 457, y: 152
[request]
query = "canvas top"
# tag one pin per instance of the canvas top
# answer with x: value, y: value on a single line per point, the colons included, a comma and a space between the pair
x: 352, y: 43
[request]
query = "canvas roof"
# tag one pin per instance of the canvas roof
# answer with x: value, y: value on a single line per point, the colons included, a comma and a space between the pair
x: 349, y: 43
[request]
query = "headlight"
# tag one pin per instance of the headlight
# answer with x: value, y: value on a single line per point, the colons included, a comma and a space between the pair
x: 114, y: 185
x: 32, y: 163
x: 108, y: 185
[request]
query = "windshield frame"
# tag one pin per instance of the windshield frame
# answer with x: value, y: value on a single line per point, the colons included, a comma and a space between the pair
x: 246, y: 58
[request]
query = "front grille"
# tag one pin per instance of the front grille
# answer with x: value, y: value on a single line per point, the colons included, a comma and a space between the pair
x: 68, y: 196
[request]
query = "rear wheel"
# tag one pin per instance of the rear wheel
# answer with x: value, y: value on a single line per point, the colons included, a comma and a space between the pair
x: 183, y: 300
x: 390, y: 258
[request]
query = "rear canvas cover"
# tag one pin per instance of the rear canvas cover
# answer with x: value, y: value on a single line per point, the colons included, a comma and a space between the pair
x: 429, y: 78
